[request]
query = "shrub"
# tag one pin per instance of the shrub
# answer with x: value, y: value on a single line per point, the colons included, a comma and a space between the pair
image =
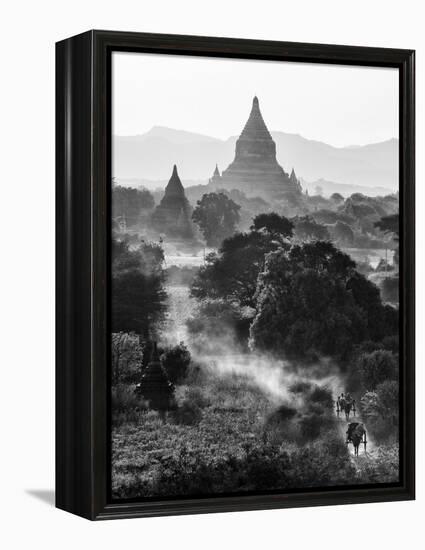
x: 376, y: 367
x: 382, y: 467
x: 322, y: 396
x: 391, y: 343
x: 176, y: 361
x: 125, y: 404
x: 127, y: 357
x: 188, y: 413
x: 381, y: 410
x: 389, y: 289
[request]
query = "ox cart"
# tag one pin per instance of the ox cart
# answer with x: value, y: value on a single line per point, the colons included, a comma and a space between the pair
x: 356, y: 434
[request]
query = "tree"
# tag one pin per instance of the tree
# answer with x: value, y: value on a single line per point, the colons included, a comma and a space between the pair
x: 380, y: 409
x: 232, y: 272
x: 382, y: 320
x: 337, y: 198
x: 391, y: 224
x: 217, y: 217
x: 127, y: 358
x: 342, y: 234
x: 307, y: 229
x: 273, y: 224
x: 138, y: 293
x: 128, y: 203
x: 176, y: 361
x: 377, y: 367
x: 309, y: 300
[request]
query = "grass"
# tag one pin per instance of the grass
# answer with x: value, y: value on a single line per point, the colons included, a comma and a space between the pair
x: 219, y: 440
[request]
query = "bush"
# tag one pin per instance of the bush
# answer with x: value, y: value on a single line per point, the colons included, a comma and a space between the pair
x: 127, y: 358
x: 188, y: 413
x: 125, y: 404
x: 376, y: 367
x: 322, y: 396
x: 391, y: 343
x: 176, y: 361
x: 382, y: 467
x: 381, y: 410
x: 389, y: 289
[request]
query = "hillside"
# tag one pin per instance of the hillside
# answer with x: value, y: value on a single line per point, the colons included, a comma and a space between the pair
x: 150, y: 157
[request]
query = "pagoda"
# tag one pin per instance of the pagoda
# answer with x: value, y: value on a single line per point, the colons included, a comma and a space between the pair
x: 173, y: 215
x: 215, y: 181
x: 255, y: 169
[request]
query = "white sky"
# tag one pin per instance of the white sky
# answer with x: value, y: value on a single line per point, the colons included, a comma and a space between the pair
x: 340, y: 105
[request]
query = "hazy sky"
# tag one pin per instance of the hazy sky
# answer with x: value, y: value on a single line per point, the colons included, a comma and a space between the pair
x: 339, y: 105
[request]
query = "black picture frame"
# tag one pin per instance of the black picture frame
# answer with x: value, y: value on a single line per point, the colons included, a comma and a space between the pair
x: 83, y: 152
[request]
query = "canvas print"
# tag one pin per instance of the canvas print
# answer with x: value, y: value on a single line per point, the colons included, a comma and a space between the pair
x: 254, y: 276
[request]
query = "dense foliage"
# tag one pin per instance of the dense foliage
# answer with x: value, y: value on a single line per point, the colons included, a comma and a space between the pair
x: 128, y: 203
x: 217, y: 217
x: 232, y: 272
x: 311, y: 300
x: 176, y: 361
x: 138, y: 292
x: 127, y: 358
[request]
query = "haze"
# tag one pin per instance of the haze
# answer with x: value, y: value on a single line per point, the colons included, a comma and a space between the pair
x: 338, y: 105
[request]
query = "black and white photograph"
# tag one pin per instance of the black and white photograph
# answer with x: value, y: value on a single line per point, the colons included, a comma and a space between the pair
x: 212, y: 222
x: 254, y: 267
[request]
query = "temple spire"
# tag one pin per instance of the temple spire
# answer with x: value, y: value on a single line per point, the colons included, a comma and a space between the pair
x: 174, y: 186
x: 255, y: 128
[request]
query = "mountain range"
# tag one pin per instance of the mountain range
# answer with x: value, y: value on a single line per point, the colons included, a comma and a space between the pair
x: 149, y: 158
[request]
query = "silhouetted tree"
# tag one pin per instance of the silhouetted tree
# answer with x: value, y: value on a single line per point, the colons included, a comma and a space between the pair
x: 128, y: 202
x: 307, y: 229
x: 337, y: 198
x: 273, y: 224
x: 311, y: 299
x: 217, y: 217
x: 232, y: 272
x: 391, y: 224
x: 176, y: 361
x: 342, y: 234
x: 377, y: 367
x: 138, y: 293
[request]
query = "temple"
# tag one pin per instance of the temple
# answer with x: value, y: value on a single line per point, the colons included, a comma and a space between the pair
x: 215, y: 181
x: 255, y: 168
x: 173, y: 214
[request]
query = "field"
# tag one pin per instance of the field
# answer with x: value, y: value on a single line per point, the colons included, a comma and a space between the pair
x: 226, y: 434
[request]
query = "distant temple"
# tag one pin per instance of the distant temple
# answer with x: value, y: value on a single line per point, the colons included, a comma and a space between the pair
x: 173, y: 214
x: 255, y: 169
x: 216, y: 180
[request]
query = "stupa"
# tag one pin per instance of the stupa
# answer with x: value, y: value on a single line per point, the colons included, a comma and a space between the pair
x: 173, y: 214
x: 215, y: 181
x: 255, y: 169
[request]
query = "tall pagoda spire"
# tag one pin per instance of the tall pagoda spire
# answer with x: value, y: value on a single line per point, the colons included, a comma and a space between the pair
x: 255, y: 127
x: 255, y: 168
